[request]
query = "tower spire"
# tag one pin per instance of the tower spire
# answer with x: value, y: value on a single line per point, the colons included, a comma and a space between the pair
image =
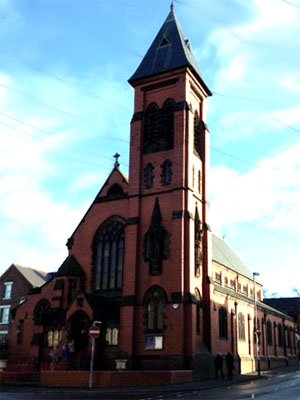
x: 172, y: 6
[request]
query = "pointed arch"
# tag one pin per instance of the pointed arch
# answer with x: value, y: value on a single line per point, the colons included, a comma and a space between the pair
x: 155, y: 301
x: 108, y: 254
x: 150, y: 132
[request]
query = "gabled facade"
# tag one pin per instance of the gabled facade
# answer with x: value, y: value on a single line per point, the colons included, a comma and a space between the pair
x: 143, y: 261
x: 15, y: 283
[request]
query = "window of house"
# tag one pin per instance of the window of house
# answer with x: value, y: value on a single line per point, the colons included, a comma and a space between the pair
x: 148, y: 176
x: 239, y: 287
x: 218, y: 277
x: 226, y: 281
x: 154, y: 305
x: 241, y: 326
x: 223, y: 327
x: 3, y: 338
x: 166, y: 173
x: 7, y: 290
x: 50, y: 338
x: 251, y: 293
x: 108, y: 255
x: 4, y: 314
x: 259, y: 295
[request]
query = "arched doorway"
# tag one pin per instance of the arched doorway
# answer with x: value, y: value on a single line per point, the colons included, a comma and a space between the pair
x: 78, y: 340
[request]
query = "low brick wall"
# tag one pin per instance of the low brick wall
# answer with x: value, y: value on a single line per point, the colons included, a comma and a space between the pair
x: 114, y: 378
x: 7, y: 378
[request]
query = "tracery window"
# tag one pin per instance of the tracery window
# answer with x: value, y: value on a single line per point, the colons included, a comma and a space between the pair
x: 197, y: 132
x: 108, y: 255
x: 154, y: 304
x: 148, y: 176
x: 241, y: 326
x: 223, y: 325
x: 269, y: 333
x: 166, y: 173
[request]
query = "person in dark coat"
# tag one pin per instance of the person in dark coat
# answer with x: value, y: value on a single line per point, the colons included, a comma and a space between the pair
x: 229, y: 364
x: 219, y: 366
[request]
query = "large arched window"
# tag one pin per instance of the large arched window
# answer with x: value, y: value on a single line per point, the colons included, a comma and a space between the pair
x: 108, y: 255
x: 269, y: 333
x: 197, y: 132
x: 40, y: 311
x: 154, y: 304
x: 241, y: 326
x: 223, y: 327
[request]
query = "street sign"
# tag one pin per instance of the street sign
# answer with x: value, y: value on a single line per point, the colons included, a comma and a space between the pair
x: 94, y: 332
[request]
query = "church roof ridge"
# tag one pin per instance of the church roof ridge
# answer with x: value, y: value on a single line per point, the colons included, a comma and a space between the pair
x: 169, y: 50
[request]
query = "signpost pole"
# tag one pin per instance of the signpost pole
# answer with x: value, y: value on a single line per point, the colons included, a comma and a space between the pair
x: 94, y: 332
x: 92, y: 364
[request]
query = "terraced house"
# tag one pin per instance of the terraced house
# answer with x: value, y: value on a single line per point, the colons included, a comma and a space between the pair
x: 169, y: 294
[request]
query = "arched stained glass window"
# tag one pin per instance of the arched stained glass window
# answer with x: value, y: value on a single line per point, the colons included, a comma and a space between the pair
x: 223, y: 326
x: 148, y: 176
x: 168, y: 124
x: 241, y: 326
x: 155, y: 304
x: 269, y: 333
x: 108, y: 255
x: 166, y: 172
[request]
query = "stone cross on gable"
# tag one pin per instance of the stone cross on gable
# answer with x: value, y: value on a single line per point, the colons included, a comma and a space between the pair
x: 117, y: 164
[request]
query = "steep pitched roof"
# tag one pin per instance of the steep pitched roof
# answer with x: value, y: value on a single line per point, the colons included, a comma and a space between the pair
x: 222, y: 254
x: 169, y: 50
x: 34, y: 277
x: 70, y: 267
x: 288, y: 305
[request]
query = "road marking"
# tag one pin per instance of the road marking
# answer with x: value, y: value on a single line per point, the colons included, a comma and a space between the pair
x: 252, y: 396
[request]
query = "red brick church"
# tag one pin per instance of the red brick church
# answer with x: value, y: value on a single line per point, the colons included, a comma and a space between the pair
x: 169, y: 294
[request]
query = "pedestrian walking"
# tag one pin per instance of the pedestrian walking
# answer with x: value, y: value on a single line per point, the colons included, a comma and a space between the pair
x: 229, y: 365
x: 219, y: 366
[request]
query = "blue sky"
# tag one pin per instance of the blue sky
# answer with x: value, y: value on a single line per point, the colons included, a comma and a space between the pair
x: 65, y: 109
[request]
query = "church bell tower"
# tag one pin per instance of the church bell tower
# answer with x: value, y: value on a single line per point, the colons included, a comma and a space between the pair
x: 164, y: 292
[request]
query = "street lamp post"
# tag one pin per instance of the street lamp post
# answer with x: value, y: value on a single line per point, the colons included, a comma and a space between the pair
x: 256, y: 324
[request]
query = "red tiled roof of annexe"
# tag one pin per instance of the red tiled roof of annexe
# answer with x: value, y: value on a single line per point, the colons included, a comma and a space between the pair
x: 35, y: 277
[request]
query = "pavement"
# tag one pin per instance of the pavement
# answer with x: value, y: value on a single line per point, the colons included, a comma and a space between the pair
x: 189, y: 386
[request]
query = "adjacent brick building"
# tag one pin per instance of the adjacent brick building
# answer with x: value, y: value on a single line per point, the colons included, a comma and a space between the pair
x: 143, y: 261
x: 15, y: 283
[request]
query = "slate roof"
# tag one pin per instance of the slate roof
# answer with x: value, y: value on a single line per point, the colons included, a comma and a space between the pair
x: 33, y: 276
x: 70, y: 267
x: 289, y: 305
x: 222, y: 254
x: 169, y: 51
